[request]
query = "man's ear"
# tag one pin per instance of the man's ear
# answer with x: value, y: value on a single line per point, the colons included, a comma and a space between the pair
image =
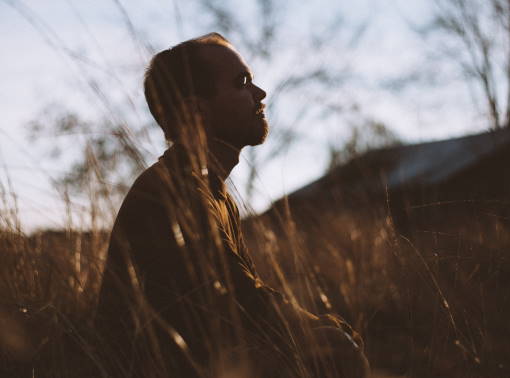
x: 203, y: 108
x: 195, y: 106
x: 197, y: 113
x: 198, y: 109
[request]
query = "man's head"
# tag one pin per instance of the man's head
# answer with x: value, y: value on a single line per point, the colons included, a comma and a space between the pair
x: 206, y: 78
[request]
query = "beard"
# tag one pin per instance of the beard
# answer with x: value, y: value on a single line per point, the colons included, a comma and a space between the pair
x: 258, y: 132
x: 239, y: 134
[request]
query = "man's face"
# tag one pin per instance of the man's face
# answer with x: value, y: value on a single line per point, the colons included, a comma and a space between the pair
x: 235, y: 113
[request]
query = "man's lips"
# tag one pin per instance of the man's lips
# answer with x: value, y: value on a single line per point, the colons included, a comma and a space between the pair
x: 259, y: 110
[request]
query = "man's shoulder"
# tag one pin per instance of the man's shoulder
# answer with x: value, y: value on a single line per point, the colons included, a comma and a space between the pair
x: 148, y: 184
x: 159, y: 177
x: 144, y: 206
x: 150, y: 190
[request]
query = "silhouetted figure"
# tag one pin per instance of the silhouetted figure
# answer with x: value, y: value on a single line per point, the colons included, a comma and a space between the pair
x: 180, y: 295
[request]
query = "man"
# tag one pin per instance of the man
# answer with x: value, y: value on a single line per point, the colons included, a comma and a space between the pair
x: 180, y: 294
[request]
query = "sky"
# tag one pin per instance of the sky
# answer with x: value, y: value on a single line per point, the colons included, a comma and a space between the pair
x: 56, y: 51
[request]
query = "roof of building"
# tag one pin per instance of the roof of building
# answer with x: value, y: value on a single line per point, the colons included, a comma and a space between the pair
x: 428, y: 163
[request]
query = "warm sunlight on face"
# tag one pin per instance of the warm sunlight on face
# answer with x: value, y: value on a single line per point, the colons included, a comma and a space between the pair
x: 236, y: 113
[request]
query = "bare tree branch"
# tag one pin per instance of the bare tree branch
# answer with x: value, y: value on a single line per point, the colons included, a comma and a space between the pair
x: 476, y: 27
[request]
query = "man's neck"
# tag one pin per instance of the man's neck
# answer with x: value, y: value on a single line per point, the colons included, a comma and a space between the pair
x: 222, y: 158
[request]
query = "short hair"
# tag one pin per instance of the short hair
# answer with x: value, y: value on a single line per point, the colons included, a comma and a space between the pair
x: 176, y: 74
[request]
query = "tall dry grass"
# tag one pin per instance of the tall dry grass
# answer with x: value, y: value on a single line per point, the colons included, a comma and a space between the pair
x: 50, y: 284
x: 430, y: 303
x: 434, y: 303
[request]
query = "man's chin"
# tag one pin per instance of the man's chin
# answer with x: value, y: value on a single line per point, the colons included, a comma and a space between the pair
x: 259, y: 135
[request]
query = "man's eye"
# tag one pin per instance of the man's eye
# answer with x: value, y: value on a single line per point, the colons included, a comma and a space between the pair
x: 243, y: 81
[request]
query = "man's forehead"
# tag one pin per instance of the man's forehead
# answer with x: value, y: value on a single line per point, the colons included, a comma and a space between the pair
x: 224, y: 58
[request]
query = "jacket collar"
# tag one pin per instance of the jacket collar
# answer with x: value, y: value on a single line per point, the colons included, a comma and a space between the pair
x: 177, y: 159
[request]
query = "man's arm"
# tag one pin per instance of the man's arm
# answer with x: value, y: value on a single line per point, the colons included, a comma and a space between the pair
x: 317, y: 337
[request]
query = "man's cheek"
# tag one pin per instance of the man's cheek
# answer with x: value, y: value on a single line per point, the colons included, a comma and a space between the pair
x: 238, y: 115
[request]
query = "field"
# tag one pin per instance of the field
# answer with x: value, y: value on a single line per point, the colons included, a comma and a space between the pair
x: 434, y: 303
x: 423, y: 275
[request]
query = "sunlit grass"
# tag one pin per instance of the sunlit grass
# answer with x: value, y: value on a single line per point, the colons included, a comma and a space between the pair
x: 430, y: 304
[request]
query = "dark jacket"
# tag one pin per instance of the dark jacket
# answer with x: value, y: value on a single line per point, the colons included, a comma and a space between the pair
x: 180, y: 293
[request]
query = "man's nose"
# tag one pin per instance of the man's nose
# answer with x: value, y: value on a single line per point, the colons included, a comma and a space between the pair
x: 259, y: 94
